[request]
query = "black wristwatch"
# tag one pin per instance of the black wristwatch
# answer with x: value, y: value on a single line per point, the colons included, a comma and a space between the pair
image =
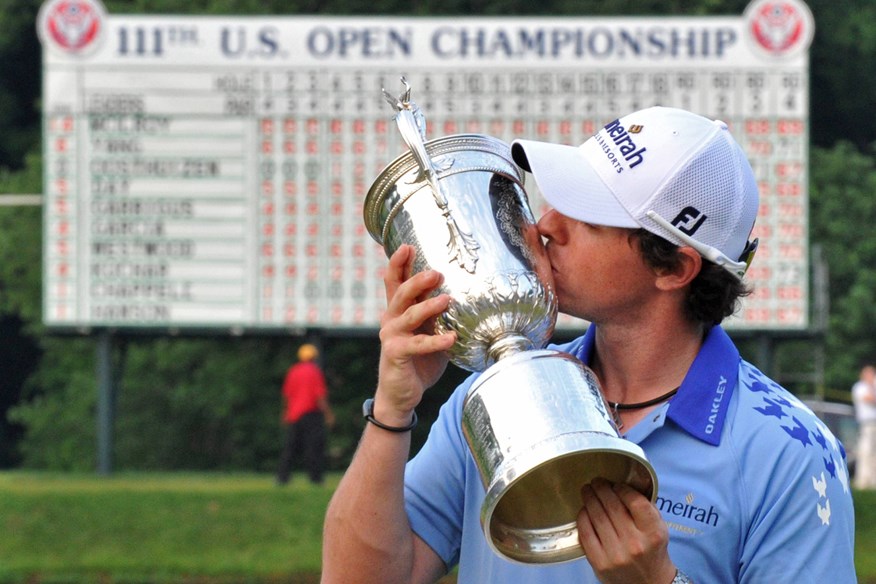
x: 681, y: 578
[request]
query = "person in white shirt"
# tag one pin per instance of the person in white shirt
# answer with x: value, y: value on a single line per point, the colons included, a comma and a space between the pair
x: 864, y: 398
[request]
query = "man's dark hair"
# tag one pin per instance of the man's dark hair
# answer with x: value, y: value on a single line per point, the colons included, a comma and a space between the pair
x: 715, y: 293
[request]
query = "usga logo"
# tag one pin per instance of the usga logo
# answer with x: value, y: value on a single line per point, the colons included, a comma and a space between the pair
x: 73, y: 27
x: 779, y: 28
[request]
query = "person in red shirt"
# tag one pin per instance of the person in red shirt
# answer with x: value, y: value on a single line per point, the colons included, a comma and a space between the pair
x: 306, y: 416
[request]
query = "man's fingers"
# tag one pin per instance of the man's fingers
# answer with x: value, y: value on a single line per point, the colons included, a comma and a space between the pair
x: 589, y: 539
x: 599, y: 517
x: 609, y: 498
x: 412, y: 291
x: 638, y: 505
x: 426, y: 344
x: 409, y: 315
x: 398, y: 270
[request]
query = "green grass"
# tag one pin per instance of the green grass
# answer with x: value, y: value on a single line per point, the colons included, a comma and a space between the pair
x: 865, y: 536
x: 158, y: 528
x: 194, y: 529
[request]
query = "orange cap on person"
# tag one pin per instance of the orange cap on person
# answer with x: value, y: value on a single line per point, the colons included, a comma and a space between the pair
x: 307, y: 352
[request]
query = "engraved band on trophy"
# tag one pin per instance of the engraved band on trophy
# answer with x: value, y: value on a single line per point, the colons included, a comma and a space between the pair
x: 535, y: 420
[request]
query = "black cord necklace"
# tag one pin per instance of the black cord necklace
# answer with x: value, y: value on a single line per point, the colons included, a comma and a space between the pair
x: 616, y: 407
x: 644, y: 404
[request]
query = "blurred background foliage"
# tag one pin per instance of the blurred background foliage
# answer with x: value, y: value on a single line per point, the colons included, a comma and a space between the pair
x: 213, y: 403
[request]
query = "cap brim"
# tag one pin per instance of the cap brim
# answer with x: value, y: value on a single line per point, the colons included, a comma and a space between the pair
x: 569, y: 184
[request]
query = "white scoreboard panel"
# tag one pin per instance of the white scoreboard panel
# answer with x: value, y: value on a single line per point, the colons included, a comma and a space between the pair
x: 210, y: 172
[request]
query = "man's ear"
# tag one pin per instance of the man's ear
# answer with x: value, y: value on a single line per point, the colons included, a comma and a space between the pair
x: 689, y: 264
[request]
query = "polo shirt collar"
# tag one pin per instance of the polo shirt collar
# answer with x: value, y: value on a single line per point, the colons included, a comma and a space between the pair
x: 701, y: 404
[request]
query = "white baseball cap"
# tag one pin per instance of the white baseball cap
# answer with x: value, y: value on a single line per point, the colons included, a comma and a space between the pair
x: 675, y: 173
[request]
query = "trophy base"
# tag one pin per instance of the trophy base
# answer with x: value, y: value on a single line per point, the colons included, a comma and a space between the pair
x: 539, y: 430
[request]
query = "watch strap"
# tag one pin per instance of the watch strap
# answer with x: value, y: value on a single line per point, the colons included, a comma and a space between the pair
x: 368, y: 414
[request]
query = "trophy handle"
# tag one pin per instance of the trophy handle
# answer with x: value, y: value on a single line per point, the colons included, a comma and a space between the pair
x: 462, y: 246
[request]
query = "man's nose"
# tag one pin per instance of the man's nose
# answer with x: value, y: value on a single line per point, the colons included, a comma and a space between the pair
x: 547, y: 224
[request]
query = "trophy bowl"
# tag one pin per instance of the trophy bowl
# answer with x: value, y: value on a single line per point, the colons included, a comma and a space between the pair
x: 484, y: 242
x: 539, y: 429
x: 535, y: 420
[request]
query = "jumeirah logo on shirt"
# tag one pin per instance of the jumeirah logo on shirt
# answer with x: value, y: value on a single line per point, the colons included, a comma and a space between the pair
x: 686, y: 509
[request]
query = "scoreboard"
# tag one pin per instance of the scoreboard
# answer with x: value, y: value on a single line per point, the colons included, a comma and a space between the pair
x: 210, y: 172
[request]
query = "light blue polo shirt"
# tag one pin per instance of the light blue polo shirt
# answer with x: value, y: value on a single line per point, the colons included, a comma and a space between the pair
x: 752, y: 485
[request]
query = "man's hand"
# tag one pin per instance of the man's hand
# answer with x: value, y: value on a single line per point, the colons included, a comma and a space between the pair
x: 412, y: 357
x: 623, y: 535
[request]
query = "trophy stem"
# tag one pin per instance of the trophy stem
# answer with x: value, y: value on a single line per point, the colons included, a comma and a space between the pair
x: 509, y: 344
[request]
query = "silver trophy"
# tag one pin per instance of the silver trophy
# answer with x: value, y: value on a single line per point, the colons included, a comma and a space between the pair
x: 535, y: 420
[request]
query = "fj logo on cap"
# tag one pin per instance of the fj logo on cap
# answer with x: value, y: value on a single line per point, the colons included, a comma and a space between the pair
x: 635, y: 129
x: 689, y: 220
